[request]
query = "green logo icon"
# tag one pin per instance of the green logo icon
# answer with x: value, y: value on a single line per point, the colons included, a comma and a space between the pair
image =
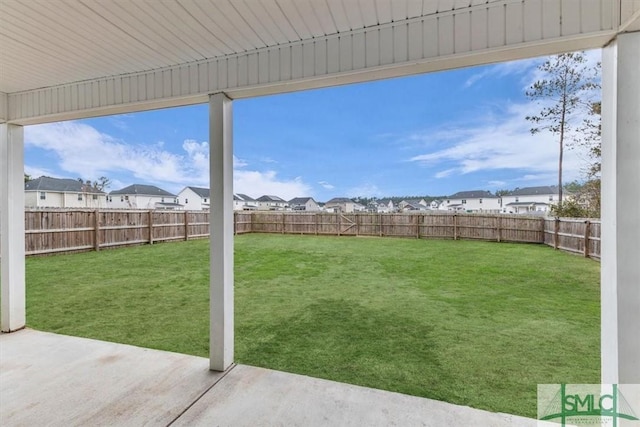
x: 587, y: 404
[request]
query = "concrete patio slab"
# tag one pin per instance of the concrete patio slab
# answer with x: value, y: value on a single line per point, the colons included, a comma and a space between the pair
x: 49, y: 379
x: 60, y: 380
x: 250, y: 396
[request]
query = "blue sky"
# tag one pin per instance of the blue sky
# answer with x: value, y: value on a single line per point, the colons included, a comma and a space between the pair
x: 432, y: 134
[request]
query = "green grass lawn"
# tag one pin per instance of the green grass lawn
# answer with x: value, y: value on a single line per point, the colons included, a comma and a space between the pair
x: 472, y: 323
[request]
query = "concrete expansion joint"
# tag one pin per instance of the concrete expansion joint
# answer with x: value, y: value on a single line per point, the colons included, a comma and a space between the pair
x: 224, y: 374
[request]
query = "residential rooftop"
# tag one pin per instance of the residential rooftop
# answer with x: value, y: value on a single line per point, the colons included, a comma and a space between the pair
x: 535, y: 191
x: 143, y: 190
x: 62, y: 185
x: 474, y: 194
x: 200, y: 191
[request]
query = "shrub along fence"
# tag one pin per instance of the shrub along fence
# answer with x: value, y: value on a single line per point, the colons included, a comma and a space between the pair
x: 58, y: 230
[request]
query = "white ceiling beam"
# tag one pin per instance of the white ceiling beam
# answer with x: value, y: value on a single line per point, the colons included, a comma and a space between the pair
x: 456, y: 38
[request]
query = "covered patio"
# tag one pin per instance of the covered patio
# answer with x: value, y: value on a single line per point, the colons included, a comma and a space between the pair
x: 64, y: 380
x: 64, y: 60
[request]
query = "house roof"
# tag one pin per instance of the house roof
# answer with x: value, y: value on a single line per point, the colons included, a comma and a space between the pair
x: 385, y: 201
x: 535, y: 191
x: 200, y: 191
x: 62, y: 185
x: 243, y: 198
x: 339, y: 200
x: 300, y: 200
x: 146, y: 190
x: 268, y: 198
x: 474, y: 194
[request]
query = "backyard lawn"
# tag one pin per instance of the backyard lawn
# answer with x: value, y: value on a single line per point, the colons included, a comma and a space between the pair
x: 472, y: 323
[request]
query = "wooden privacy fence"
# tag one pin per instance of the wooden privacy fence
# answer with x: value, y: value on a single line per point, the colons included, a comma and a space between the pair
x: 580, y: 236
x: 54, y: 231
x: 500, y: 228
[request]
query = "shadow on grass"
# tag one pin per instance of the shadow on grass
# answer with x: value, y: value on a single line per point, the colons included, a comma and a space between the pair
x: 334, y: 337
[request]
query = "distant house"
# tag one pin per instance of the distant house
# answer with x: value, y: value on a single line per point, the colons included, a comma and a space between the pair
x: 195, y: 198
x: 472, y: 201
x: 435, y: 204
x: 47, y: 192
x: 413, y: 202
x: 271, y: 203
x: 381, y: 206
x: 341, y: 204
x: 385, y: 206
x: 411, y: 206
x: 530, y: 200
x: 139, y: 196
x: 242, y: 202
x: 304, y: 204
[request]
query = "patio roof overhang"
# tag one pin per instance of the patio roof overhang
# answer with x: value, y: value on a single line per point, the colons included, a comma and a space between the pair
x: 71, y: 59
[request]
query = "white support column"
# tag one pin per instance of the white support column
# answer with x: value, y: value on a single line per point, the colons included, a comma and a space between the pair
x: 620, y: 267
x: 12, y: 227
x: 221, y: 232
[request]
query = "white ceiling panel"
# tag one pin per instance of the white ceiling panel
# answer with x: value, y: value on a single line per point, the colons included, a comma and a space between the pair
x: 188, y: 48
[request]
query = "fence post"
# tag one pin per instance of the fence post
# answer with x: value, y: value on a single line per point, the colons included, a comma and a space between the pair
x: 357, y: 223
x: 587, y: 232
x: 96, y: 226
x: 418, y: 226
x: 283, y: 224
x: 556, y: 228
x: 455, y: 226
x: 499, y: 229
x: 151, y: 227
x: 339, y: 222
x: 380, y: 223
x: 186, y: 226
x: 315, y: 220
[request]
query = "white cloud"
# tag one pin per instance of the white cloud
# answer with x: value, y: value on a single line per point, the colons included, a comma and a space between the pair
x: 326, y: 185
x: 239, y: 163
x: 82, y: 151
x: 36, y: 172
x: 260, y: 183
x: 497, y: 183
x: 268, y: 160
x: 445, y: 173
x: 500, y: 144
x: 504, y: 69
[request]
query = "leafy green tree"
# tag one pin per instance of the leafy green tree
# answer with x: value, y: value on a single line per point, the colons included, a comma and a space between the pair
x: 563, y: 93
x: 592, y: 132
x: 570, y: 208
